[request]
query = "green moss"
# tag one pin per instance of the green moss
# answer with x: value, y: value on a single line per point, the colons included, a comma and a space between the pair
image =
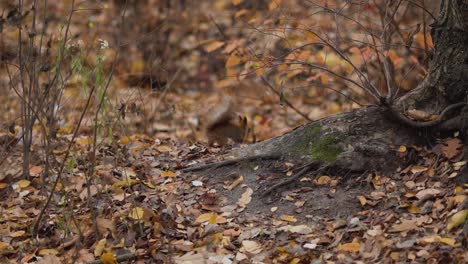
x: 319, y: 146
x: 326, y: 149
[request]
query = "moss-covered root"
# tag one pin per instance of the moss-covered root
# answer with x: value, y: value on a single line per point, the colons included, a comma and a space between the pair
x: 318, y: 145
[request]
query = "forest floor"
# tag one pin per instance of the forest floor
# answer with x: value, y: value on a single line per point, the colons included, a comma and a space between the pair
x: 142, y: 204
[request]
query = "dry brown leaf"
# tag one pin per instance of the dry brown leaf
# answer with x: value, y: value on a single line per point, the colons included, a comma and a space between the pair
x: 245, y: 198
x: 350, y: 247
x: 452, y: 148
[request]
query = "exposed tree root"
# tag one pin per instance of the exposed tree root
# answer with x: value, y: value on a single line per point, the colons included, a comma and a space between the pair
x: 417, y: 124
x: 302, y: 170
x: 230, y: 162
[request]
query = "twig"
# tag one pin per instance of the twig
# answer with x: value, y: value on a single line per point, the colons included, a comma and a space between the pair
x: 303, y: 170
x: 285, y: 100
x: 62, y: 167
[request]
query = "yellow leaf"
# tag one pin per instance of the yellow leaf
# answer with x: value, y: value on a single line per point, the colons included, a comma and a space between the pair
x: 448, y: 241
x: 164, y: 148
x: 402, y: 149
x: 203, y: 218
x: 212, y: 220
x: 236, y: 182
x: 149, y: 184
x: 350, y: 247
x: 137, y: 213
x: 169, y: 174
x: 333, y: 107
x: 17, y: 233
x: 65, y: 129
x: 414, y: 209
x: 124, y: 140
x: 362, y: 200
x: 108, y: 258
x: 233, y: 60
x: 83, y: 141
x: 289, y: 218
x: 23, y: 183
x: 457, y: 219
x: 124, y: 183
x: 294, y: 261
x: 100, y: 247
x: 458, y: 190
x: 138, y: 66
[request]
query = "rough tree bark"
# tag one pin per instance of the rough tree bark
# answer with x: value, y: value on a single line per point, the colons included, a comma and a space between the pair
x: 368, y: 138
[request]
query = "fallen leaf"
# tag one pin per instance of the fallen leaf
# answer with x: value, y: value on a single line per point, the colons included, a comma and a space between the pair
x: 448, y: 241
x: 213, y: 46
x: 457, y: 219
x: 136, y: 213
x: 245, y: 198
x: 108, y: 258
x: 211, y: 218
x: 323, y: 180
x: 47, y: 251
x: 251, y: 247
x: 35, y: 170
x: 404, y: 226
x: 432, y: 192
x: 235, y: 183
x: 350, y: 247
x: 402, y: 149
x: 164, y: 148
x: 289, y: 218
x: 100, y: 247
x: 300, y: 229
x: 416, y: 169
x: 362, y: 200
x: 452, y: 148
x: 169, y: 174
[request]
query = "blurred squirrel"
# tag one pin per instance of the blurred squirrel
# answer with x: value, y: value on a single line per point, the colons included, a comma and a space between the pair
x: 222, y: 124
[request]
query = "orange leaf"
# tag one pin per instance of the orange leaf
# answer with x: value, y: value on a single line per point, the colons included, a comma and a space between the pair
x: 233, y: 60
x: 214, y: 46
x: 350, y: 247
x: 108, y: 258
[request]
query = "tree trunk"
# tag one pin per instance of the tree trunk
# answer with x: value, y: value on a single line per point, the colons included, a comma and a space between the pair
x: 369, y: 138
x: 447, y: 80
